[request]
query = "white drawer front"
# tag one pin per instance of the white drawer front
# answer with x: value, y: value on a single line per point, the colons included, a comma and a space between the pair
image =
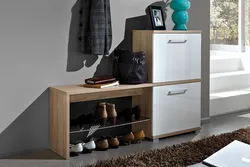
x: 176, y: 108
x: 176, y: 57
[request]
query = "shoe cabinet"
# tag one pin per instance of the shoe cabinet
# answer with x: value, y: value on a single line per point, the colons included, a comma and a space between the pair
x: 170, y: 102
x: 171, y: 56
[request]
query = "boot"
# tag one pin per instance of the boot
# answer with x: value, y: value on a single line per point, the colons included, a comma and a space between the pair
x: 102, y: 114
x: 111, y: 113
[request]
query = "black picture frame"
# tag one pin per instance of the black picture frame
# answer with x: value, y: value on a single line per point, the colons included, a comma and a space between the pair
x: 157, y: 17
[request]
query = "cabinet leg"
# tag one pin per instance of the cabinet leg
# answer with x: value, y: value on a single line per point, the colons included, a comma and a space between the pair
x: 156, y: 140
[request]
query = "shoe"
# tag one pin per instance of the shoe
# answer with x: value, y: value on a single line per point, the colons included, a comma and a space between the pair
x: 139, y: 136
x: 102, y: 144
x: 82, y: 120
x: 127, y: 114
x: 127, y: 139
x: 75, y: 149
x: 101, y: 113
x: 111, y: 113
x: 88, y: 147
x: 137, y: 112
x: 113, y: 142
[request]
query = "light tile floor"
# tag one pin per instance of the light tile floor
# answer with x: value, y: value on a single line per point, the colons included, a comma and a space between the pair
x: 216, y: 125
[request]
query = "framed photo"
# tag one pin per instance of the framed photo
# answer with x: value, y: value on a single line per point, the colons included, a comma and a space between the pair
x: 157, y: 18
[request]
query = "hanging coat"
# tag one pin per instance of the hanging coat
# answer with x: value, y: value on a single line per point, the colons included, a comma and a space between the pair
x: 95, y: 36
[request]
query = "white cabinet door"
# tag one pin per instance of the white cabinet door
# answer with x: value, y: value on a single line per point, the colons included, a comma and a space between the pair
x: 176, y: 57
x: 176, y: 108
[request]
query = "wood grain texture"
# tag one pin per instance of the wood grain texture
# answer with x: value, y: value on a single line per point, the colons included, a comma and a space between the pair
x: 59, y: 123
x: 105, y: 95
x: 176, y: 133
x: 169, y: 31
x: 143, y: 41
x: 79, y: 89
x: 145, y: 103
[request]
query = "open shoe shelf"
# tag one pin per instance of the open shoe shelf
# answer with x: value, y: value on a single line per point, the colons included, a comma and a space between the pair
x: 119, y: 123
x: 62, y: 96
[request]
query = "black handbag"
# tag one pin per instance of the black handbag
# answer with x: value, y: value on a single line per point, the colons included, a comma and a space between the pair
x: 130, y: 67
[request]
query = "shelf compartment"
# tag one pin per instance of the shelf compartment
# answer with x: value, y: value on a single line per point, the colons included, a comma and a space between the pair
x: 119, y: 123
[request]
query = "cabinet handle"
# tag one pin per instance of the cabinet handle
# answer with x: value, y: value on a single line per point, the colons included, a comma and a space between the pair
x: 176, y: 42
x: 177, y: 92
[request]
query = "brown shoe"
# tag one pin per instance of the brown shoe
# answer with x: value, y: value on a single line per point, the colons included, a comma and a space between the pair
x: 113, y: 142
x: 102, y: 144
x: 111, y: 113
x: 127, y: 139
x: 139, y: 136
x: 101, y: 113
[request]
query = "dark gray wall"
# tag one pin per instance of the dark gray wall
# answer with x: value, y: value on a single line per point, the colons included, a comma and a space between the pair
x: 38, y: 50
x: 199, y: 18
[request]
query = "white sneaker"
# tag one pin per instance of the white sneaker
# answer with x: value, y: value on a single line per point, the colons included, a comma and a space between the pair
x: 76, y: 148
x: 89, y: 147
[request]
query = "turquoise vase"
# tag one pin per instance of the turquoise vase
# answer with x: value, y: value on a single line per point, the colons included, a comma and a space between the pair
x: 180, y: 15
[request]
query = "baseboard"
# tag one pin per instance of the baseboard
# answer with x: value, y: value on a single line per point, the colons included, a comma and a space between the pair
x: 12, y: 154
x: 205, y: 119
x: 231, y: 112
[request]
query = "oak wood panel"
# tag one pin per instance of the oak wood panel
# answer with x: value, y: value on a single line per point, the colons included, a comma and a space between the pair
x: 170, y: 31
x: 143, y: 41
x: 176, y: 133
x: 79, y: 89
x: 145, y: 103
x: 59, y: 123
x: 105, y: 95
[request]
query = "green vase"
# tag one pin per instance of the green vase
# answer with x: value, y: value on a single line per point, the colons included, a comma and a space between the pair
x: 180, y: 15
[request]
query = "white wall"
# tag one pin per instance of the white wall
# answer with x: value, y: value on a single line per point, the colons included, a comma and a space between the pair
x: 34, y: 38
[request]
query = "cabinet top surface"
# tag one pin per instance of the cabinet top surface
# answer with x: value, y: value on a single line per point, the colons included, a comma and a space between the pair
x: 79, y: 89
x: 170, y: 31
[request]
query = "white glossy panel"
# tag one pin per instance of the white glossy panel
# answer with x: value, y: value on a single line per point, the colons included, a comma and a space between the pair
x: 176, y: 57
x: 178, y: 112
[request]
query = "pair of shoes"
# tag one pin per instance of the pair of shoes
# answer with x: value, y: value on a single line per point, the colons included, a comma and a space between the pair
x: 135, y: 137
x: 129, y: 112
x: 104, y: 143
x: 81, y: 147
x: 82, y: 120
x: 106, y: 111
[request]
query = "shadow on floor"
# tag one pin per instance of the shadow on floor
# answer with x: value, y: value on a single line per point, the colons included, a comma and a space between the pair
x: 29, y: 130
x: 44, y: 154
